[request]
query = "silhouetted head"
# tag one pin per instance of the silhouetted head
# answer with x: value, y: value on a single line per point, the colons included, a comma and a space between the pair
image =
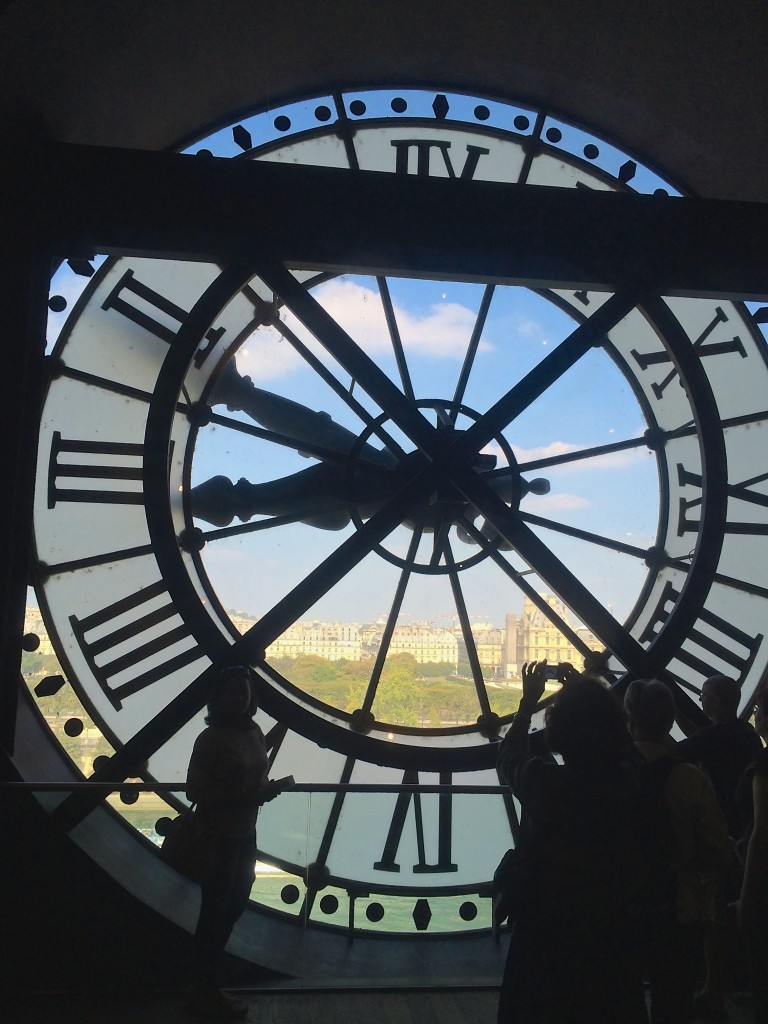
x: 720, y: 697
x: 586, y: 724
x: 650, y: 708
x: 234, y: 699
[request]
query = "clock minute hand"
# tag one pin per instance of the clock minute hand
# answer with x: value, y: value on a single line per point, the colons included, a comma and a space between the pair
x: 290, y: 418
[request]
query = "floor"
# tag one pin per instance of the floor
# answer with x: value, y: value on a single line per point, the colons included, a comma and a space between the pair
x: 455, y: 1006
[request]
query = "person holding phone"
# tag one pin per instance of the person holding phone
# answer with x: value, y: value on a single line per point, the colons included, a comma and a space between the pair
x: 228, y: 780
x: 571, y: 956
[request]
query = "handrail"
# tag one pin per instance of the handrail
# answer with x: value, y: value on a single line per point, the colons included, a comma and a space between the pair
x: 299, y: 787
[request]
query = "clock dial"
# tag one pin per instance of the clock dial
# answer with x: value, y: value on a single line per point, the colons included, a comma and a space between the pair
x: 366, y: 485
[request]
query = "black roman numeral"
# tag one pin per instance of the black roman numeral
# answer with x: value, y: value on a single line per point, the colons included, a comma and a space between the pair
x: 444, y: 829
x: 112, y: 460
x: 712, y: 634
x: 155, y: 313
x: 425, y: 148
x: 146, y: 661
x: 742, y: 491
x: 713, y: 348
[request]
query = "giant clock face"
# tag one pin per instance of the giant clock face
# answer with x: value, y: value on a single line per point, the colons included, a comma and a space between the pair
x: 359, y: 467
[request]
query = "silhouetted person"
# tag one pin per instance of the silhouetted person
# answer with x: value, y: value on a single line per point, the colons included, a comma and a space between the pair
x: 569, y: 958
x: 227, y: 778
x: 688, y: 848
x: 752, y: 907
x: 724, y: 748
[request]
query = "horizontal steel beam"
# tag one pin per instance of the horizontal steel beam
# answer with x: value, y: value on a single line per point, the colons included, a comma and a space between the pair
x: 202, y: 207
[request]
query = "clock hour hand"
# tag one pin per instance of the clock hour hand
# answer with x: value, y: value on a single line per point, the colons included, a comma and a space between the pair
x: 324, y: 492
x: 321, y: 496
x: 290, y: 418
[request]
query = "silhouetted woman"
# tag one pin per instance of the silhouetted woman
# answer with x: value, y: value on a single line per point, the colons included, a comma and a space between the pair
x: 570, y: 960
x: 227, y: 779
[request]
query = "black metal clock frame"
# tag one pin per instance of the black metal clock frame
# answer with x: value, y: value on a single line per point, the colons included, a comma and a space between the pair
x: 168, y: 205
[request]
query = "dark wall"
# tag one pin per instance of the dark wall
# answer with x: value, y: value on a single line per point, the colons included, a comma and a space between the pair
x: 67, y: 925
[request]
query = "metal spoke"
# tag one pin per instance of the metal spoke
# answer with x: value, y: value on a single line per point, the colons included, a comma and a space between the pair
x: 518, y: 578
x: 551, y: 569
x: 333, y: 568
x: 268, y: 524
x: 344, y: 393
x: 592, y: 538
x: 305, y: 447
x: 651, y: 440
x: 544, y: 375
x: 440, y: 541
x: 394, y: 333
x: 328, y: 833
x: 595, y: 452
x: 359, y: 365
x: 466, y: 632
x: 474, y: 342
x: 394, y: 614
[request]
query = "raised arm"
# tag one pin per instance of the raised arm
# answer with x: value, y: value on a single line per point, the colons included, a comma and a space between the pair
x: 515, y: 744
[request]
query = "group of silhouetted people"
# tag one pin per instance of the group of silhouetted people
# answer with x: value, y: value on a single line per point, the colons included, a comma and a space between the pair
x: 634, y: 855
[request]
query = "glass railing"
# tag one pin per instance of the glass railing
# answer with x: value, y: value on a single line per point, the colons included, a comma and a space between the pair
x: 339, y: 865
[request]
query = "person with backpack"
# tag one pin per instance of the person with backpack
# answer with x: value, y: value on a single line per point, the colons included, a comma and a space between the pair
x: 723, y: 749
x: 686, y: 847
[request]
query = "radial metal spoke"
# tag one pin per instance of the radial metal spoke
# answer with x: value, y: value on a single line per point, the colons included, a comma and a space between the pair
x: 474, y: 343
x: 394, y: 614
x: 592, y: 538
x: 595, y: 452
x: 551, y: 570
x: 544, y: 375
x: 344, y: 392
x: 356, y: 362
x: 329, y: 832
x: 318, y: 451
x: 333, y: 568
x: 268, y: 524
x: 652, y: 441
x: 518, y: 578
x: 466, y: 631
x: 394, y: 333
x: 440, y: 541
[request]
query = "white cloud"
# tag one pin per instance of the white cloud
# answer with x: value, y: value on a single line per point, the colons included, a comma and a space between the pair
x: 443, y: 332
x: 609, y: 462
x: 546, y: 504
x: 266, y: 355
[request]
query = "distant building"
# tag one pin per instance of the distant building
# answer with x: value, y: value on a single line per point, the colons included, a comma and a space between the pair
x: 511, y: 666
x: 490, y: 644
x: 530, y: 636
x: 538, y: 638
x: 330, y: 640
x: 426, y: 643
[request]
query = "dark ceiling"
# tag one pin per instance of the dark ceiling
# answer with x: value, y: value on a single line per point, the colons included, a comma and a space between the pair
x: 681, y: 84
